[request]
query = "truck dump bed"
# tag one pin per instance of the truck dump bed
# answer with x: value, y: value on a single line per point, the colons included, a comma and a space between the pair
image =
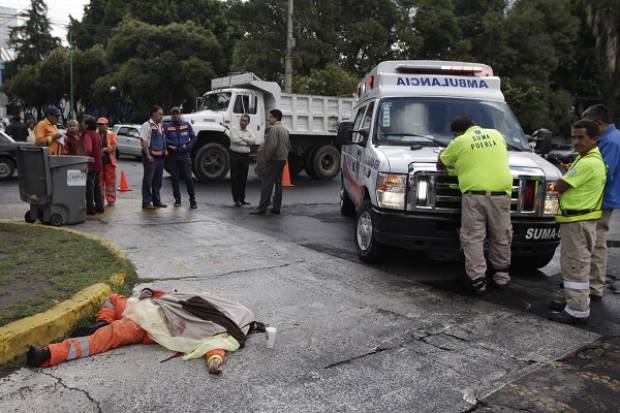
x: 314, y: 115
x: 302, y: 114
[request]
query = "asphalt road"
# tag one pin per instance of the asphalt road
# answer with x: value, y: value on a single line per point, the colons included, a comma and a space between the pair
x: 311, y: 218
x: 399, y: 336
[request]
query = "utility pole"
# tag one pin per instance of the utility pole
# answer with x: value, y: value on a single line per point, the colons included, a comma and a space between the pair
x: 290, y: 44
x: 71, y: 110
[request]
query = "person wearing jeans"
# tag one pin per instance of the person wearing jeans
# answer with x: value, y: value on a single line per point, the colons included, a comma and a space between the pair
x: 180, y: 138
x: 153, y: 155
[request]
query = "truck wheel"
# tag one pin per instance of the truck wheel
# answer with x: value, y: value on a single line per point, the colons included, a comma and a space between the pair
x: 55, y: 220
x: 347, y: 208
x: 7, y: 167
x: 326, y: 162
x: 369, y: 250
x: 211, y: 162
x: 29, y: 219
x: 309, y: 167
x: 295, y: 165
x: 532, y: 262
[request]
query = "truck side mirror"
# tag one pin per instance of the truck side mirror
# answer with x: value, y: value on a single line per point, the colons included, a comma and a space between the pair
x: 543, y: 139
x: 345, y: 133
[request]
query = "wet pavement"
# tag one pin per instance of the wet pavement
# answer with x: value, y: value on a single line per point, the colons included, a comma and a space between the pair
x: 400, y: 336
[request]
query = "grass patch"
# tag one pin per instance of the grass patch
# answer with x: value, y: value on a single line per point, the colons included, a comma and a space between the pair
x: 40, y: 267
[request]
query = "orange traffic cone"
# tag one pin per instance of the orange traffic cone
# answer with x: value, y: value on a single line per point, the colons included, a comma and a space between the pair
x: 124, y: 187
x: 286, y: 177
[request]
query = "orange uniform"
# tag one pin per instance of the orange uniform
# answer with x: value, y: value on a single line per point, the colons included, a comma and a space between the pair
x: 44, y: 134
x: 108, y: 175
x: 119, y: 332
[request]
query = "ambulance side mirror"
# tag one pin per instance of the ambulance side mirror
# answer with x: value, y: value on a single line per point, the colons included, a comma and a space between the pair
x: 543, y: 139
x: 345, y: 133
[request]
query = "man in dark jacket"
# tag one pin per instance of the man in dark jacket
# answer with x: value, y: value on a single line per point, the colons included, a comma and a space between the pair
x: 17, y: 130
x: 276, y: 147
x: 180, y: 138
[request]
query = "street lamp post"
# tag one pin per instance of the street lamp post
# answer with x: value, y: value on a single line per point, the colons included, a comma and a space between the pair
x: 71, y: 109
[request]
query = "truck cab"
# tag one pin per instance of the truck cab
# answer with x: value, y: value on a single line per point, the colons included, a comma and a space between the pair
x: 390, y: 180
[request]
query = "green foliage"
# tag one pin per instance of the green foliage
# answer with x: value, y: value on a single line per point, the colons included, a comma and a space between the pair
x: 555, y: 57
x: 32, y: 41
x: 331, y: 81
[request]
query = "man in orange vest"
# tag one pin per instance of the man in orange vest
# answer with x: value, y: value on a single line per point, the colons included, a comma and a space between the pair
x: 108, y: 175
x: 47, y: 134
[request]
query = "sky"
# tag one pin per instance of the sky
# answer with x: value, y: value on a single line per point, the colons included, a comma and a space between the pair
x: 58, y: 12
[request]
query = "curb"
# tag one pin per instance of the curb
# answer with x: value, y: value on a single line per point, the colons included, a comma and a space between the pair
x: 53, y: 324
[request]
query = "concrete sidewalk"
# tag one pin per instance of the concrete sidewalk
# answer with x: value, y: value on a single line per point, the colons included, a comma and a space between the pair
x: 350, y: 338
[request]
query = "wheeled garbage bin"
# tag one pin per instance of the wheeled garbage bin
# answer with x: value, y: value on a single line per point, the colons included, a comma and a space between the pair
x: 54, y: 186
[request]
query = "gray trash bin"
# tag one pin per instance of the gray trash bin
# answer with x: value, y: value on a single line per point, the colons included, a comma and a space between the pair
x: 54, y: 186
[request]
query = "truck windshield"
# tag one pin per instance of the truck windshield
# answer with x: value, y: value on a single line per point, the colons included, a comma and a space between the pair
x: 426, y: 121
x: 217, y: 102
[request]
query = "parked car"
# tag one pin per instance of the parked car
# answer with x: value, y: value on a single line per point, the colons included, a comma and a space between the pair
x: 128, y: 140
x: 8, y: 160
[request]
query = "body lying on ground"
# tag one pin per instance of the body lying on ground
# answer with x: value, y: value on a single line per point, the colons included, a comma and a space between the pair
x: 195, y: 325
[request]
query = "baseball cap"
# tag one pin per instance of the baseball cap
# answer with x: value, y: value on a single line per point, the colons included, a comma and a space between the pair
x: 52, y: 110
x: 102, y: 121
x: 175, y: 109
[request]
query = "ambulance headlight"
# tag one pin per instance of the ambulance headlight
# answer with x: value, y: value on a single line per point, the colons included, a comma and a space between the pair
x: 552, y: 202
x: 391, y: 190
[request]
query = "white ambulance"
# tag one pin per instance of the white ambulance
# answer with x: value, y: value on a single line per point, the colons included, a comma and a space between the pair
x: 390, y: 181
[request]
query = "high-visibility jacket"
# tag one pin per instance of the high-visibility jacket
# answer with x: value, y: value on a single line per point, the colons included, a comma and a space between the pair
x: 584, y: 199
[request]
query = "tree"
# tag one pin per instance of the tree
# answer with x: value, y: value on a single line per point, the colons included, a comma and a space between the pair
x: 33, y: 41
x: 604, y: 19
x: 331, y: 81
x: 169, y: 65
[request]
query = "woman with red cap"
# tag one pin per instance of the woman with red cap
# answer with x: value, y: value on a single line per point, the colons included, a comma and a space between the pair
x: 108, y: 174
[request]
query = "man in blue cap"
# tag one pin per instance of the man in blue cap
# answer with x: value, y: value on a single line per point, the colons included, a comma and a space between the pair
x: 47, y: 134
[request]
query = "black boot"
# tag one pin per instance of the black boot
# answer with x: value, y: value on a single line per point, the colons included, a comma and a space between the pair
x: 564, y: 317
x: 37, y: 356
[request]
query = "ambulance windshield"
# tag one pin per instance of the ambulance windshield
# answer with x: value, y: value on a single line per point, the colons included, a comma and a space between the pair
x: 426, y: 120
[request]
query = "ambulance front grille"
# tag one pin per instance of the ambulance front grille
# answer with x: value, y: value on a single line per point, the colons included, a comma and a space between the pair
x: 437, y: 191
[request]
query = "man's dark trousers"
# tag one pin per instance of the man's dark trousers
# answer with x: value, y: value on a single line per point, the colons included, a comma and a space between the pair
x: 94, y: 199
x: 151, y: 182
x: 239, y: 165
x: 180, y: 165
x: 272, y: 176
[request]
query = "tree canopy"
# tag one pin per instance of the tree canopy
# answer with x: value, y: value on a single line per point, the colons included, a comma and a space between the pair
x: 554, y: 56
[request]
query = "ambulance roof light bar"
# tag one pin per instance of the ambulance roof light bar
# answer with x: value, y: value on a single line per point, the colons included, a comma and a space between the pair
x: 473, y: 70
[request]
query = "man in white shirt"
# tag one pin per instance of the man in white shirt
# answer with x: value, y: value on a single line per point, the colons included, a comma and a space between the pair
x: 240, y: 140
x: 153, y: 155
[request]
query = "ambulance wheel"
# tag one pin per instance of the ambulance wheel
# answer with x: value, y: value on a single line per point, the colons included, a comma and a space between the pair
x: 532, y: 262
x: 326, y: 162
x: 55, y: 220
x: 369, y: 250
x: 29, y: 219
x: 347, y: 208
